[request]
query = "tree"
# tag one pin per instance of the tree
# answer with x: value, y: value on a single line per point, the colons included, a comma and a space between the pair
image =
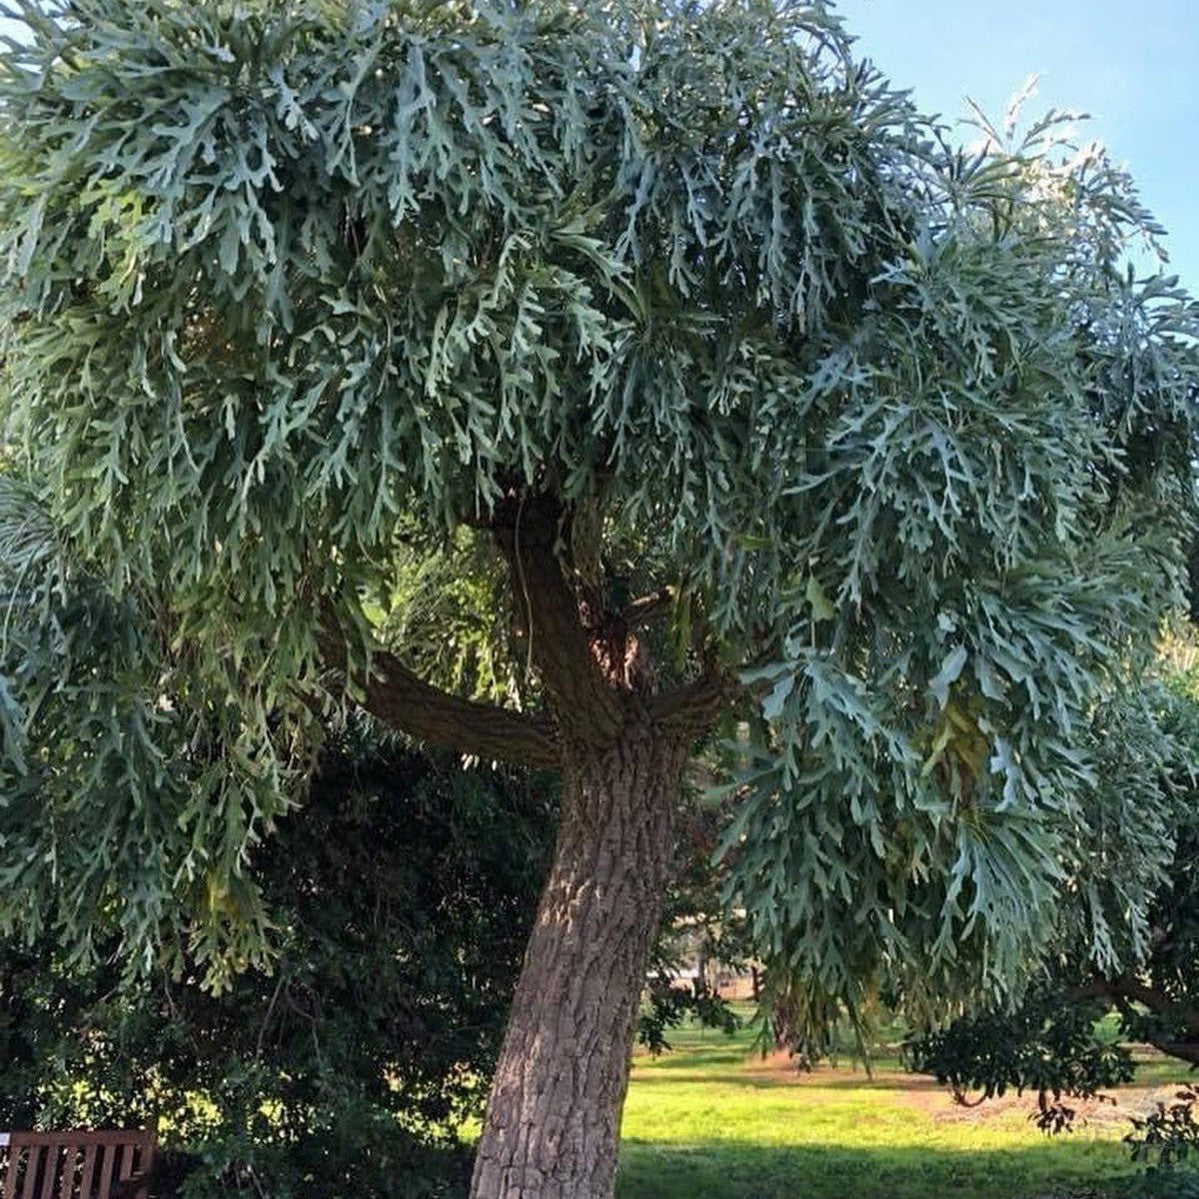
x: 630, y: 367
x: 1049, y: 1042
x: 697, y: 931
x: 403, y: 890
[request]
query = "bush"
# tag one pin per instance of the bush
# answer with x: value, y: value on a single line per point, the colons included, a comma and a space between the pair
x: 1169, y: 1136
x: 402, y: 892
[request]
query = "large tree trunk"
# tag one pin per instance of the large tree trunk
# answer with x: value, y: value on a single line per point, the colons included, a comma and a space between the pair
x: 553, y: 1118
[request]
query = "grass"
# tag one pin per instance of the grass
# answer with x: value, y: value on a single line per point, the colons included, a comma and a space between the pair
x: 715, y: 1121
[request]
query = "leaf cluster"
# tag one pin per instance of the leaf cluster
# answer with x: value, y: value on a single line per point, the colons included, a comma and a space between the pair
x: 1050, y: 1042
x: 910, y: 449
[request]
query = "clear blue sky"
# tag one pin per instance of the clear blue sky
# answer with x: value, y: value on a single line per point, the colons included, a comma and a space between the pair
x: 1133, y: 66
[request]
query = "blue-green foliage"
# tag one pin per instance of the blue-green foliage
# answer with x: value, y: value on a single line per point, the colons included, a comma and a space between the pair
x: 283, y: 281
x: 1050, y: 1042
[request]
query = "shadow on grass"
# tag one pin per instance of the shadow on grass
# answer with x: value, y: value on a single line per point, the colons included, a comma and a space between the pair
x: 725, y: 1169
x: 734, y: 1067
x: 765, y: 1078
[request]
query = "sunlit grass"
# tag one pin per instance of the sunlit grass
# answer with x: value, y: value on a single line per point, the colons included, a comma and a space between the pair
x: 712, y: 1120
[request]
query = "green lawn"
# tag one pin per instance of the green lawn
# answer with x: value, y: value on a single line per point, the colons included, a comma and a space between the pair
x: 713, y: 1121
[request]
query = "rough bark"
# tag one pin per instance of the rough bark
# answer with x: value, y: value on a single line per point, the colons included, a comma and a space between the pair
x: 553, y: 1118
x: 399, y: 698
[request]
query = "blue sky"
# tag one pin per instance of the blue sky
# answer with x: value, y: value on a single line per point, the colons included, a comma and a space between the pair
x: 1133, y: 66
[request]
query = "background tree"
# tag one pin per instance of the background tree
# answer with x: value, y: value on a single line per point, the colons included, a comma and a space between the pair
x: 402, y: 892
x: 667, y: 330
x: 698, y: 937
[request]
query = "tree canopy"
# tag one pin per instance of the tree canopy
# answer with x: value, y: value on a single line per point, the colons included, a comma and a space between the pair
x: 1050, y: 1043
x: 667, y: 331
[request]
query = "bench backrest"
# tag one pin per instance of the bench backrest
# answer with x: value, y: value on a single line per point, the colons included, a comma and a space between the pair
x: 75, y: 1165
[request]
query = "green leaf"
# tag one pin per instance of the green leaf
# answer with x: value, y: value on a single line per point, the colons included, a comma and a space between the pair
x: 818, y: 602
x: 950, y: 672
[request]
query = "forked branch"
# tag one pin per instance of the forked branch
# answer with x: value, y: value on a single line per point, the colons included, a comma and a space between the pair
x: 692, y: 710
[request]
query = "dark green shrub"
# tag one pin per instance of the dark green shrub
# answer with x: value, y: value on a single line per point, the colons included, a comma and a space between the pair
x: 402, y: 891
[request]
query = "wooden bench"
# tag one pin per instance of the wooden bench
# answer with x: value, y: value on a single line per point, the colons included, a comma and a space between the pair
x: 76, y: 1165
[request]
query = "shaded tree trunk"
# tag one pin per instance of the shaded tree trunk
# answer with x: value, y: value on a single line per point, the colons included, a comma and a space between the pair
x: 553, y: 1118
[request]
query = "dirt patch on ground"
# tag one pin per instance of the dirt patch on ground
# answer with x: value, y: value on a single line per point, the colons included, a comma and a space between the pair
x: 781, y: 1068
x: 944, y: 1109
x: 1112, y: 1112
x: 929, y: 1097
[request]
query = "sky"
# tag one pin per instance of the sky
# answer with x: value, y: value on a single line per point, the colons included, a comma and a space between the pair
x: 1133, y: 66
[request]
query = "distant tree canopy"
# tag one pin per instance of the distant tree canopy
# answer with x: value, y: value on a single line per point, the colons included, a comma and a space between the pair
x: 557, y: 381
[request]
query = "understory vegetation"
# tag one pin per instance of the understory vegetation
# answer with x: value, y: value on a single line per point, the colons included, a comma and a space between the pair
x: 401, y: 894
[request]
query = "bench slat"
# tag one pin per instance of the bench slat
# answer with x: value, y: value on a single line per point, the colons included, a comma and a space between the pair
x: 71, y: 1165
x: 90, y: 1153
x: 10, y: 1175
x: 31, y: 1163
x: 145, y: 1162
x: 50, y: 1161
x: 106, y: 1172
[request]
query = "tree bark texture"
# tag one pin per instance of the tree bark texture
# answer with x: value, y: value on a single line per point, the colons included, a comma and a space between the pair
x: 553, y: 1118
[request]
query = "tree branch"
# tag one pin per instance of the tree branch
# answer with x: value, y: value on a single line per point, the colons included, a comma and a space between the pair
x: 645, y: 610
x: 691, y: 710
x: 1130, y: 988
x: 399, y: 698
x: 1185, y: 1051
x: 1124, y: 991
x: 583, y: 699
x: 593, y: 670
